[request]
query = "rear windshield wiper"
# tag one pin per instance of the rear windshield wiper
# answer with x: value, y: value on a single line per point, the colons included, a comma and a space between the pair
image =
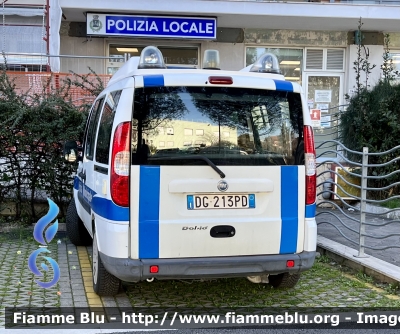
x: 197, y: 157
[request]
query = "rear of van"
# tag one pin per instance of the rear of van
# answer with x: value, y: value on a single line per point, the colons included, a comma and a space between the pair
x: 218, y: 174
x: 200, y: 174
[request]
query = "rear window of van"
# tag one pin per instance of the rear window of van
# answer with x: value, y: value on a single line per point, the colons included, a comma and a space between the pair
x: 229, y: 126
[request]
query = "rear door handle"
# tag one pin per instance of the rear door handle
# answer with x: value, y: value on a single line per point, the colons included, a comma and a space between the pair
x: 222, y: 231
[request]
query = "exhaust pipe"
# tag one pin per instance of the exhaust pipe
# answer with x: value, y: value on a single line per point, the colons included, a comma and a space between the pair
x: 150, y: 279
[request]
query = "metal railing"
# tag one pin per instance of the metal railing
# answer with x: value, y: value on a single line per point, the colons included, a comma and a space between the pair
x: 346, y: 202
x: 27, y: 62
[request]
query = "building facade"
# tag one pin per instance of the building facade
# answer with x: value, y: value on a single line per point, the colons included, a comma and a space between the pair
x: 315, y: 41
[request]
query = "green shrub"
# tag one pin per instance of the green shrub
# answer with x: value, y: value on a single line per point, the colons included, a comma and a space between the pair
x: 33, y: 128
x: 372, y: 120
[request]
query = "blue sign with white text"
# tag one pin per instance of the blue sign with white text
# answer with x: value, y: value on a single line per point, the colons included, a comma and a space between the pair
x: 152, y: 26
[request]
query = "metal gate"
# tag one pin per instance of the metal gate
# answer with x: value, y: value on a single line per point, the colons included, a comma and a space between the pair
x: 347, y: 203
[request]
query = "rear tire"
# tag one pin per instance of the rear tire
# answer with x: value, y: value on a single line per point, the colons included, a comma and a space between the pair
x: 76, y: 230
x: 284, y: 280
x: 104, y: 284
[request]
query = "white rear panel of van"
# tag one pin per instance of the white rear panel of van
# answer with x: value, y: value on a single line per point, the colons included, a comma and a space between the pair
x: 163, y: 225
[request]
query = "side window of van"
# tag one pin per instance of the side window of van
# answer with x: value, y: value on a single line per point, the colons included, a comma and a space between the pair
x: 105, y: 127
x: 91, y: 130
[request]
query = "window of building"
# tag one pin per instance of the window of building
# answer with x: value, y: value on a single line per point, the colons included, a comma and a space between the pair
x: 183, y: 56
x: 170, y: 131
x: 170, y: 144
x: 216, y: 134
x: 199, y: 132
x: 188, y: 132
x: 22, y: 31
x: 395, y: 59
x: 161, y: 130
x: 187, y: 143
x: 324, y: 60
x: 290, y: 60
x: 161, y: 144
x: 225, y: 134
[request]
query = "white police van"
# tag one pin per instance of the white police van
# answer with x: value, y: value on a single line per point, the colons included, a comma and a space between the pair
x: 189, y: 174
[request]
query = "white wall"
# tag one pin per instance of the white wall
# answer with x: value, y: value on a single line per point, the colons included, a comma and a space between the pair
x: 375, y: 57
x: 231, y: 55
x: 82, y: 47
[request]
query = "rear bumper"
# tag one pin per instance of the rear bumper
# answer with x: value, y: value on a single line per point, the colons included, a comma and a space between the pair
x: 208, y: 267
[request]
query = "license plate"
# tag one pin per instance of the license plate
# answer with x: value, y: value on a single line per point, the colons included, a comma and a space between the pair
x: 232, y: 201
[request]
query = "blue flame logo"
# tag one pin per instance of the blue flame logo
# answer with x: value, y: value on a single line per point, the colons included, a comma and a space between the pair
x: 49, y: 234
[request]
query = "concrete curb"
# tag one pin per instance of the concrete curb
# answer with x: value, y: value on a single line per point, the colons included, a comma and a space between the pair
x: 376, y: 268
x: 384, y: 212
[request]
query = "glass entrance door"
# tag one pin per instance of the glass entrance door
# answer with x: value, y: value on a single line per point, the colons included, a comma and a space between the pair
x: 324, y: 93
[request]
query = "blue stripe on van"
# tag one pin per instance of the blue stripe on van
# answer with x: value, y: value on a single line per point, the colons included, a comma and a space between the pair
x: 76, y: 183
x: 149, y: 210
x: 310, y: 210
x: 101, y: 206
x: 289, y: 209
x: 153, y: 80
x: 283, y: 85
x: 109, y: 210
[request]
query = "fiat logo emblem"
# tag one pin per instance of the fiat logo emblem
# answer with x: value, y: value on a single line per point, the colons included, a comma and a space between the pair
x: 222, y: 186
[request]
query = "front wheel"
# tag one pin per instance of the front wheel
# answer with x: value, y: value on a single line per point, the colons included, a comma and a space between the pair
x: 284, y: 280
x: 104, y: 284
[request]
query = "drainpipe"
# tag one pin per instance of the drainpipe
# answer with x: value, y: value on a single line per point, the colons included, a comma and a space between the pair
x: 47, y: 38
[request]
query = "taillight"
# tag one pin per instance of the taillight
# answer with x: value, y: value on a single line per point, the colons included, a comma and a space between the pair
x: 290, y: 263
x: 309, y: 159
x: 120, y: 164
x: 220, y: 80
x: 153, y: 269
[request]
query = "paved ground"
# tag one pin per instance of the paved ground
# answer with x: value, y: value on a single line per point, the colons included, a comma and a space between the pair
x: 328, y: 218
x: 325, y: 285
x: 74, y: 288
x: 76, y: 284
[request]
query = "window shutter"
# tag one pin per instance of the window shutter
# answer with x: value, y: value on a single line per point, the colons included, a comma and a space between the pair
x: 335, y: 59
x: 314, y: 59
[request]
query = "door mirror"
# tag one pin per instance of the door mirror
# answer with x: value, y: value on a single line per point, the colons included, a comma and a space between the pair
x: 70, y: 151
